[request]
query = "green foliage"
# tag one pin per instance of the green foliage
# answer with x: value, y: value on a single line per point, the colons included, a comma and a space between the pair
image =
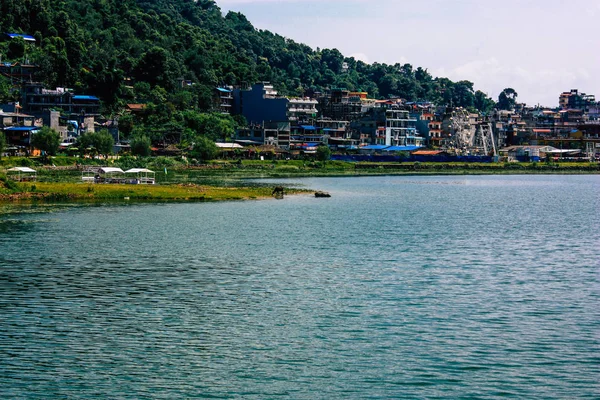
x: 160, y: 163
x: 46, y: 140
x: 126, y: 124
x: 323, y: 153
x: 8, y: 183
x: 127, y: 162
x: 2, y: 143
x: 204, y: 149
x: 213, y: 125
x: 140, y: 146
x: 96, y: 143
x: 96, y: 45
x: 507, y: 99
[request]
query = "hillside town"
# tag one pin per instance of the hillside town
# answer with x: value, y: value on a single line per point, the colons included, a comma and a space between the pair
x: 353, y: 125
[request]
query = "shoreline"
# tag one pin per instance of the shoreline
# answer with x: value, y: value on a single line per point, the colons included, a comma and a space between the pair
x: 228, y: 182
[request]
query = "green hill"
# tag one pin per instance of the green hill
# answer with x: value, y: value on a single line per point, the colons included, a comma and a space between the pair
x: 110, y: 47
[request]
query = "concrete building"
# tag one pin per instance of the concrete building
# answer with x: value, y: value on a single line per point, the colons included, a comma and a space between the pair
x: 301, y: 110
x: 260, y: 104
x: 224, y: 99
x: 37, y: 100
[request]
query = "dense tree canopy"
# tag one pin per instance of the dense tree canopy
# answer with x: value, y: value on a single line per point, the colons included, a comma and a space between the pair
x: 109, y: 47
x: 46, y: 140
x: 507, y: 99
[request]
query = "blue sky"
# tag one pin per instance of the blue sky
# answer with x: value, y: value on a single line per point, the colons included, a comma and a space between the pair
x: 539, y: 48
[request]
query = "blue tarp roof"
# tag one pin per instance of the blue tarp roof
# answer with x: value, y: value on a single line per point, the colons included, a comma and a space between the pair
x: 308, y: 127
x: 402, y: 148
x: 85, y: 97
x: 220, y: 89
x: 27, y: 38
x: 375, y: 147
x: 22, y: 128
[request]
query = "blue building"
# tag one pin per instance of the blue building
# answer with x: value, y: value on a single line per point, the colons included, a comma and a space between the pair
x: 260, y: 104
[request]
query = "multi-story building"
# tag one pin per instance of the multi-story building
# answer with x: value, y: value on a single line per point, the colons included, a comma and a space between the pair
x: 224, y: 99
x: 387, y: 125
x: 401, y: 129
x: 301, y: 110
x: 575, y: 100
x: 39, y: 102
x: 269, y: 133
x: 18, y: 128
x: 260, y: 104
x: 338, y: 104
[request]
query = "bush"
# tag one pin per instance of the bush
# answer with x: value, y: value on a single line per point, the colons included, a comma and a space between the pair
x: 140, y: 146
x: 204, y: 149
x: 323, y: 153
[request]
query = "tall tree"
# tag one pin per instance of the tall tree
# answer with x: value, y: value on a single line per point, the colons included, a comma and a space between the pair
x: 46, y: 140
x: 507, y: 99
x: 483, y: 103
x: 2, y: 143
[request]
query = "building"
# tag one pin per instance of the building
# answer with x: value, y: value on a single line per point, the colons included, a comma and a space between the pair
x: 338, y: 104
x: 260, y: 104
x: 301, y: 110
x: 387, y: 124
x: 269, y: 133
x: 401, y: 129
x: 575, y: 100
x: 18, y: 128
x: 224, y: 99
x: 36, y: 100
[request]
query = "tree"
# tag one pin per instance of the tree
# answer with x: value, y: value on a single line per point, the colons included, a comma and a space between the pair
x: 126, y: 124
x: 100, y: 142
x: 507, y: 99
x: 46, y: 140
x: 140, y: 146
x: 103, y: 142
x: 483, y: 103
x: 323, y: 153
x: 213, y: 125
x: 204, y: 149
x: 2, y: 143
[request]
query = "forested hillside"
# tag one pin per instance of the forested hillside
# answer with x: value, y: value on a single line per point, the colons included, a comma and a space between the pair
x: 135, y: 51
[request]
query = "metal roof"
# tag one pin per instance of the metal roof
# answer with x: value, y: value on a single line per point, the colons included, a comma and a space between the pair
x: 27, y: 38
x: 138, y: 170
x: 85, y: 97
x: 22, y: 128
x: 375, y: 147
x: 21, y: 169
x: 107, y: 170
x: 402, y: 148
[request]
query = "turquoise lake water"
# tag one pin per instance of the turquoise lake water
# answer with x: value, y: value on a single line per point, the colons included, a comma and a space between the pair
x: 395, y: 287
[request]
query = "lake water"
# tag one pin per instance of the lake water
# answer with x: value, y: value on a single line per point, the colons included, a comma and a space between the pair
x: 396, y: 287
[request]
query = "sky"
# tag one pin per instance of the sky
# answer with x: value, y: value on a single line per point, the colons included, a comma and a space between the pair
x: 540, y: 48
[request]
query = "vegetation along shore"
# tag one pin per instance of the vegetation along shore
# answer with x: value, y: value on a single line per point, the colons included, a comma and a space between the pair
x: 226, y: 180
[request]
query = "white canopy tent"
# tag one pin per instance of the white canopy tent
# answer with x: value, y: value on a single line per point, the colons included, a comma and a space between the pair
x: 143, y: 175
x: 22, y: 174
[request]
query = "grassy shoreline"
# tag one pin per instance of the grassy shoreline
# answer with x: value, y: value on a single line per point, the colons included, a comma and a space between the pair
x: 53, y: 192
x: 225, y: 180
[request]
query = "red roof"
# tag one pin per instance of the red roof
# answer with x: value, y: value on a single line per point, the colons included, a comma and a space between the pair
x: 427, y: 152
x: 136, y: 107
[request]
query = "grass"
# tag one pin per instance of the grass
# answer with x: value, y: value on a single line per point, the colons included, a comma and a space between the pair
x: 53, y: 191
x: 224, y: 180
